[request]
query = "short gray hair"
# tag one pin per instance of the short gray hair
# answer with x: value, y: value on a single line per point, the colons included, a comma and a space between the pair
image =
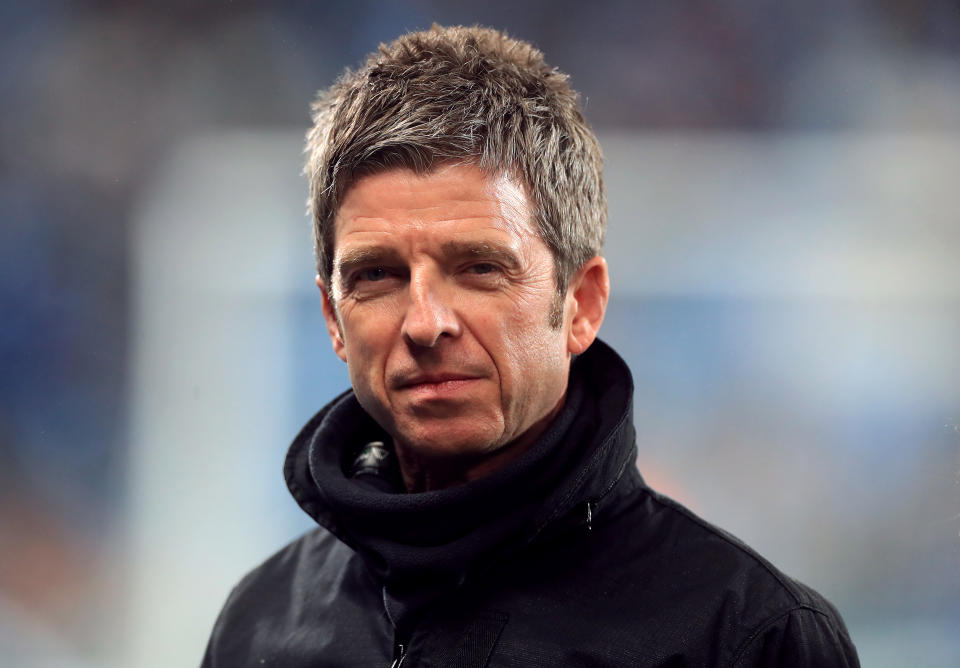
x: 461, y: 95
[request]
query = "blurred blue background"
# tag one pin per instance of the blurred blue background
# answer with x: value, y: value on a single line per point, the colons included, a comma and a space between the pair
x: 783, y: 244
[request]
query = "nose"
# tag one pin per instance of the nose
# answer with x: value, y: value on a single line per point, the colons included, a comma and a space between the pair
x: 430, y: 315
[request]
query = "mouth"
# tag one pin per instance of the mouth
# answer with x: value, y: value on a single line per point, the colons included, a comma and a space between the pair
x: 437, y: 380
x: 438, y: 386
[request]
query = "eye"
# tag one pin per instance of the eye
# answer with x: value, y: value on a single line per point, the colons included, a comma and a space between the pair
x: 482, y: 268
x: 372, y: 274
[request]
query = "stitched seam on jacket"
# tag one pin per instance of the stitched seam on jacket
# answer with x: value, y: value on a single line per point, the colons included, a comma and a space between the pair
x: 741, y: 650
x: 584, y: 472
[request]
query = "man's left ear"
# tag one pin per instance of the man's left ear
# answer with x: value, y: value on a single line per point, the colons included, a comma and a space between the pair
x: 590, y: 290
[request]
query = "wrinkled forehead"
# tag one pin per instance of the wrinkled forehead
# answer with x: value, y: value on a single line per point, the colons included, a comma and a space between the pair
x: 445, y: 192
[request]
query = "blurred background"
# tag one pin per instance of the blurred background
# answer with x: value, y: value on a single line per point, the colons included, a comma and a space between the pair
x: 783, y: 241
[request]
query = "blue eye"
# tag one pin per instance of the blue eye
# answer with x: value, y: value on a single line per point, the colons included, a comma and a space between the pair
x: 482, y: 268
x: 372, y: 274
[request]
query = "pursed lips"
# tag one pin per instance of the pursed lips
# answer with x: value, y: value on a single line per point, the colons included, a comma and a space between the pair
x: 435, y: 379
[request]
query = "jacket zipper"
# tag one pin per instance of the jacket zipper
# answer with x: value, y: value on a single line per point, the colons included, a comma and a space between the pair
x: 399, y: 654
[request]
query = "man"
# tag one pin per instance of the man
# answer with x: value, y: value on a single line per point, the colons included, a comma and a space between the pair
x: 476, y: 490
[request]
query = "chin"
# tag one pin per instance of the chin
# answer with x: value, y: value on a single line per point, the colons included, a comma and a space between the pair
x: 449, y: 443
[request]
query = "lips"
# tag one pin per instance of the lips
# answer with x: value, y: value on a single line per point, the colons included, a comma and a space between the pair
x: 434, y: 379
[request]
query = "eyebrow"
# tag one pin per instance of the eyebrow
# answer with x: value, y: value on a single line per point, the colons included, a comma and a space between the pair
x: 363, y: 257
x: 481, y: 250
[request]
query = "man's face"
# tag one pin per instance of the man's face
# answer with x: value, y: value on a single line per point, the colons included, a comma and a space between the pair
x: 442, y: 298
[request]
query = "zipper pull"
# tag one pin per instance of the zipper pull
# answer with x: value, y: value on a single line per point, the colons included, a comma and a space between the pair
x: 589, y: 516
x: 399, y: 653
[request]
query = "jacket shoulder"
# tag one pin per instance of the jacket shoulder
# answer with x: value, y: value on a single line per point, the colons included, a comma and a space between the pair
x: 707, y: 541
x: 312, y: 550
x: 775, y: 619
x: 270, y: 616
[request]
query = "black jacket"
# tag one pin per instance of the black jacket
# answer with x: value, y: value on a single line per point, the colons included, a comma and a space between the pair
x: 563, y: 558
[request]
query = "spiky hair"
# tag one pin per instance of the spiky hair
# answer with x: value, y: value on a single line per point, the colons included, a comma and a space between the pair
x: 461, y: 95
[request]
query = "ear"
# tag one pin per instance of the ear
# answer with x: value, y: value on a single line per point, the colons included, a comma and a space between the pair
x: 333, y: 322
x: 590, y: 290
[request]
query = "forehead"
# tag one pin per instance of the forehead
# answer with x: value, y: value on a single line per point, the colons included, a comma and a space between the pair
x: 454, y: 197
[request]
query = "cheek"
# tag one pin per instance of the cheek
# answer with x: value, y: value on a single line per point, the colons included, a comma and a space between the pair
x: 367, y: 324
x: 532, y: 350
x: 369, y: 332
